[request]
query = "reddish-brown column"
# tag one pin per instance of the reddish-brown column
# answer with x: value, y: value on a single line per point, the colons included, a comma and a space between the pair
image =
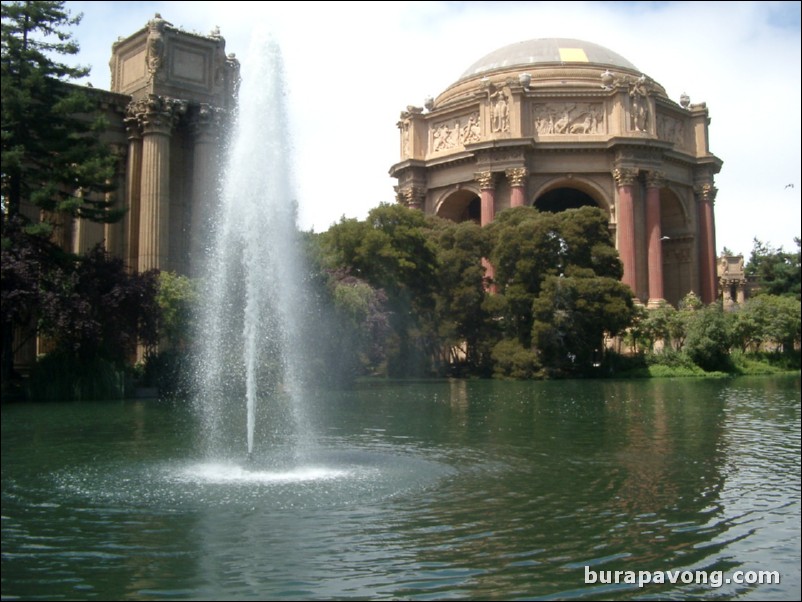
x: 487, y: 188
x: 517, y: 179
x: 705, y: 195
x: 654, y: 182
x: 625, y: 180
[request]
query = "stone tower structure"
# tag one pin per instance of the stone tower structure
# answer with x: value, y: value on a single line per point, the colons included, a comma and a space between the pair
x: 562, y: 123
x: 180, y: 87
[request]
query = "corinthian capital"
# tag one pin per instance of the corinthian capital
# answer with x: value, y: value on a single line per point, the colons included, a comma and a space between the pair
x: 517, y: 176
x: 625, y: 176
x: 655, y: 179
x: 486, y: 179
x: 156, y: 114
x: 706, y: 192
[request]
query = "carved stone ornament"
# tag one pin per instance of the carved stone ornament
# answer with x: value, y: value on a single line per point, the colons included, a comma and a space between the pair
x: 517, y: 176
x: 448, y: 135
x: 625, y: 176
x: 706, y: 192
x: 486, y: 179
x: 671, y: 129
x: 639, y: 104
x: 412, y: 196
x: 655, y: 179
x: 560, y: 118
x: 155, y: 46
x: 155, y: 113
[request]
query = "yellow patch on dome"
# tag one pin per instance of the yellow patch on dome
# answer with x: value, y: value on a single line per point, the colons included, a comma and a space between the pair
x: 573, y: 55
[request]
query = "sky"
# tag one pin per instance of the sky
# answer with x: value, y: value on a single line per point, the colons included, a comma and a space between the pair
x: 351, y: 67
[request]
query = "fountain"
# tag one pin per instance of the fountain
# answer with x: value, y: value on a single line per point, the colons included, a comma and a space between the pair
x: 250, y: 321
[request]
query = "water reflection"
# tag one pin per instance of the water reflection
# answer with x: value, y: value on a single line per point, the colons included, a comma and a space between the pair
x: 466, y: 489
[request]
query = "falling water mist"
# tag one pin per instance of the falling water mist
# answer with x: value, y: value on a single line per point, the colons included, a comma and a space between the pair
x: 250, y: 371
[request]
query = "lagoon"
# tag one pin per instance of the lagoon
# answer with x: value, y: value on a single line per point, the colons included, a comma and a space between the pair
x: 426, y: 490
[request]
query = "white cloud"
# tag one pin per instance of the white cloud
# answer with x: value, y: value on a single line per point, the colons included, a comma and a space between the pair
x: 351, y: 67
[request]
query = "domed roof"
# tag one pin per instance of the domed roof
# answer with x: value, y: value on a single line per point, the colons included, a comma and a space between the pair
x: 547, y: 50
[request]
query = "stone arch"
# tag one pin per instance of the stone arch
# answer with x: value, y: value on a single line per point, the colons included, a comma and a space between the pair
x: 575, y: 192
x: 678, y: 246
x: 459, y: 205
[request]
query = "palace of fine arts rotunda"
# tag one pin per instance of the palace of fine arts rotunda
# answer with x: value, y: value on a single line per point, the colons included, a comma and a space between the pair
x: 560, y: 124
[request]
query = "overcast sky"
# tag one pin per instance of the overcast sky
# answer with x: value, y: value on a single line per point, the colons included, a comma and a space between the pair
x: 351, y: 67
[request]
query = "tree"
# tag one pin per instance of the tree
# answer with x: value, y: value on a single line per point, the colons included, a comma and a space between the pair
x: 391, y: 252
x: 52, y: 158
x: 774, y: 270
x: 573, y: 313
x: 462, y: 320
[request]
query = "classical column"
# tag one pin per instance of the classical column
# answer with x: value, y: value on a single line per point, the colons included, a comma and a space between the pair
x: 113, y: 232
x: 157, y: 124
x: 487, y: 186
x: 206, y: 129
x: 625, y: 181
x: 517, y: 178
x: 705, y: 196
x: 654, y: 182
x: 133, y: 186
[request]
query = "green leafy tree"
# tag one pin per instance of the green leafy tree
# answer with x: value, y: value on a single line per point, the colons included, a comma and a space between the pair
x: 573, y: 313
x: 464, y: 327
x: 530, y: 246
x: 774, y: 270
x: 709, y: 337
x: 390, y: 251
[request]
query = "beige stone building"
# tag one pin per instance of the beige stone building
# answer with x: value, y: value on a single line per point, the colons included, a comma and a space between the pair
x: 562, y: 123
x: 171, y: 91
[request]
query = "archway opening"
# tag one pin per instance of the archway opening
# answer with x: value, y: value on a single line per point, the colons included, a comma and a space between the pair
x: 560, y: 199
x: 462, y: 206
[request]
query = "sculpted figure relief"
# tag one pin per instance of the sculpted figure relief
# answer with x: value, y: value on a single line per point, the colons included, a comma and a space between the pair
x: 464, y: 130
x: 569, y: 118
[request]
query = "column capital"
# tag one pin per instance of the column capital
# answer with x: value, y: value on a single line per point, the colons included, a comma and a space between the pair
x: 207, y: 121
x: 517, y: 176
x: 706, y: 192
x: 625, y: 176
x: 655, y: 179
x: 412, y: 197
x: 155, y: 114
x: 486, y: 179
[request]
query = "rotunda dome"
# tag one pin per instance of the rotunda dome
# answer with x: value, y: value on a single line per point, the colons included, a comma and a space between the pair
x: 543, y: 51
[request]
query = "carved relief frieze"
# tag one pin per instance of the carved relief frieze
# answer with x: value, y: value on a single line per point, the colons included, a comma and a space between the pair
x: 671, y: 129
x: 448, y: 135
x: 561, y: 118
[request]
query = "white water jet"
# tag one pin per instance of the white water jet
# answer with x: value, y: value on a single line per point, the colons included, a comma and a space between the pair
x: 250, y: 322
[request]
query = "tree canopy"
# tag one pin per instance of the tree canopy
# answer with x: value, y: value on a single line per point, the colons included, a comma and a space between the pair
x: 52, y: 156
